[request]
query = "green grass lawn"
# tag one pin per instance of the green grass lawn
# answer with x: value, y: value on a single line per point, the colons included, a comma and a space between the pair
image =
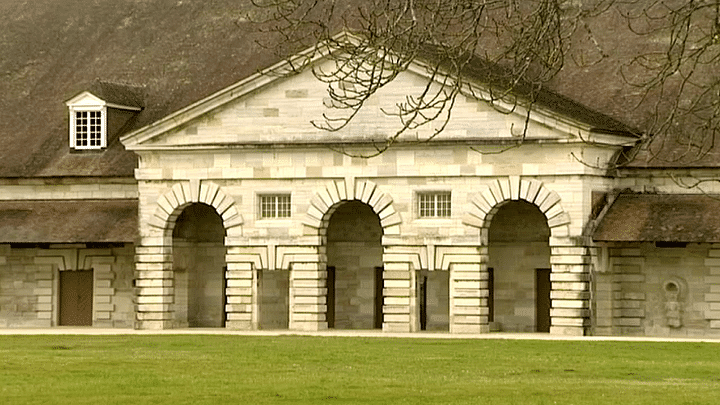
x: 199, y: 369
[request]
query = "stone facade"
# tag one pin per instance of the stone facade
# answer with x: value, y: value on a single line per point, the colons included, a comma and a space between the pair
x: 31, y: 273
x: 30, y: 288
x: 649, y: 290
x: 319, y: 262
x: 356, y: 246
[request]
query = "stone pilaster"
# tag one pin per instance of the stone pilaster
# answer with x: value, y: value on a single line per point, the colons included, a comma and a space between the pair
x: 468, y: 289
x: 570, y: 288
x: 44, y: 293
x: 468, y: 298
x: 242, y: 284
x: 154, y: 287
x: 308, y: 296
x: 399, y: 301
x: 712, y: 280
x: 103, y: 306
x: 240, y: 295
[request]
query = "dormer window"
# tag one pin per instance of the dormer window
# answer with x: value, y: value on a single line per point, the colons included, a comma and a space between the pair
x: 106, y: 105
x: 88, y: 129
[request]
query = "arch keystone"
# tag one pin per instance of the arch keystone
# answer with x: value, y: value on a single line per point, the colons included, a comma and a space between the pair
x: 195, y: 190
x: 514, y: 187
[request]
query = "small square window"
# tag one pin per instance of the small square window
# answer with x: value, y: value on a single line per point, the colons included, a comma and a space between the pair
x: 434, y: 205
x: 275, y: 206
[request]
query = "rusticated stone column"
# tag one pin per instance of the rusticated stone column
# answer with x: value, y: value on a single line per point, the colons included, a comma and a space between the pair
x: 570, y: 288
x: 154, y: 287
x: 308, y: 296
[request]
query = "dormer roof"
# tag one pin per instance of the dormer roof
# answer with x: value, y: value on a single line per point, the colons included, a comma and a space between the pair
x: 113, y: 95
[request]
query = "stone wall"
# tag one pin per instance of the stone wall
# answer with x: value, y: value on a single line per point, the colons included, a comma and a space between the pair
x: 29, y: 286
x: 199, y: 295
x: 663, y: 290
x: 274, y: 300
x: 410, y: 242
x: 514, y: 270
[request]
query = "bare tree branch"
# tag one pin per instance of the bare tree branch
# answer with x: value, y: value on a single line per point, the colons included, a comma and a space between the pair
x: 507, y: 47
x: 679, y: 80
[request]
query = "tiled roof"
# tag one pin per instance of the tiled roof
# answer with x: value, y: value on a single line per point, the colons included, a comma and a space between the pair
x: 68, y: 221
x: 180, y: 52
x: 661, y: 218
x: 52, y: 50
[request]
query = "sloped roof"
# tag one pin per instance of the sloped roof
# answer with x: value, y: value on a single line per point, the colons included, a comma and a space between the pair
x: 68, y: 221
x: 546, y: 97
x: 121, y: 94
x: 181, y: 52
x: 661, y: 218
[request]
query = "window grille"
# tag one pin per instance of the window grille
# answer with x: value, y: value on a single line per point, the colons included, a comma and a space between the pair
x: 88, y: 129
x: 275, y: 206
x: 434, y: 205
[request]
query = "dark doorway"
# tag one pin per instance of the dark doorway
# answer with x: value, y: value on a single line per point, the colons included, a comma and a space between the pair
x: 274, y: 300
x: 422, y: 295
x: 433, y: 300
x: 354, y: 255
x: 542, y: 284
x: 518, y: 244
x: 199, y: 268
x: 76, y: 298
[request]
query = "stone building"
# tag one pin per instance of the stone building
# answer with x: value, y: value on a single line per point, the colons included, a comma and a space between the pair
x: 183, y: 189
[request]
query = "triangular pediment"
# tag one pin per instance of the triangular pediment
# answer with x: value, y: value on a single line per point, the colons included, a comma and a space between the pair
x: 270, y: 109
x: 85, y: 99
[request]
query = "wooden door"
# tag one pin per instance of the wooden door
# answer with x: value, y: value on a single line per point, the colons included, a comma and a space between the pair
x: 330, y: 315
x: 378, y: 297
x: 542, y: 297
x: 422, y: 295
x: 491, y: 294
x: 76, y: 298
x: 223, y: 296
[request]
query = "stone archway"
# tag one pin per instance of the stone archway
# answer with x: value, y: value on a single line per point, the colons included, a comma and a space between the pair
x: 569, y: 275
x: 518, y: 267
x: 486, y: 204
x: 309, y: 279
x: 325, y: 201
x: 354, y: 267
x: 154, y: 255
x: 199, y: 268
